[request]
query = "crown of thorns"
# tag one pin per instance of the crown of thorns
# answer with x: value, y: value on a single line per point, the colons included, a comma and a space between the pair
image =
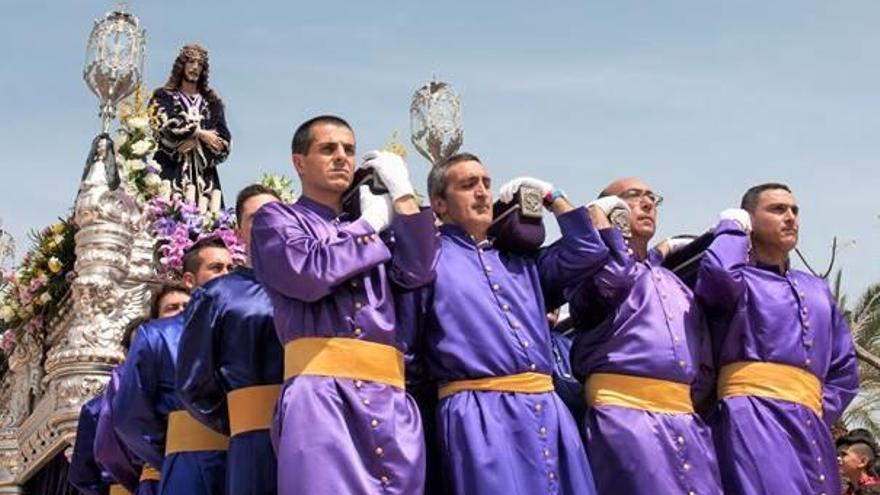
x: 194, y: 52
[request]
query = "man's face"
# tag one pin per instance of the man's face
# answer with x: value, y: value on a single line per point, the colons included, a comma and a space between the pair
x: 192, y: 70
x: 213, y: 262
x: 643, y: 209
x: 468, y: 201
x: 775, y: 220
x: 851, y: 463
x: 172, y: 303
x: 248, y: 208
x: 329, y: 164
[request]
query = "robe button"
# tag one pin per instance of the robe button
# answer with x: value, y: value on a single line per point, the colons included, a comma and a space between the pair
x: 488, y: 269
x: 542, y: 430
x: 808, y: 361
x: 686, y: 466
x: 533, y: 367
x: 385, y: 480
x: 366, y: 402
x: 374, y: 423
x: 354, y: 284
x: 676, y: 339
x: 821, y: 477
x: 538, y: 407
x: 670, y: 317
x: 358, y: 305
x: 552, y: 475
x: 680, y: 440
x: 682, y: 363
x: 358, y: 331
x: 358, y: 384
x: 525, y: 343
x: 379, y: 451
x: 514, y: 325
x: 496, y: 287
x: 546, y: 452
x: 505, y: 307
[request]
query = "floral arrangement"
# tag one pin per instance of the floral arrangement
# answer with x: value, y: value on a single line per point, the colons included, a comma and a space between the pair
x: 177, y: 224
x: 30, y: 295
x: 135, y: 145
x: 282, y: 186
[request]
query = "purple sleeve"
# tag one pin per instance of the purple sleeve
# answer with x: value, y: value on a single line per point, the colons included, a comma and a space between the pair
x: 135, y: 419
x: 196, y: 380
x: 616, y: 277
x: 414, y: 254
x: 412, y: 308
x: 841, y: 382
x: 293, y: 262
x: 720, y: 282
x: 576, y: 255
x: 110, y: 453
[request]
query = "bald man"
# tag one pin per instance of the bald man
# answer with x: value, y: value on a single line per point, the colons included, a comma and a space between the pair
x: 642, y: 348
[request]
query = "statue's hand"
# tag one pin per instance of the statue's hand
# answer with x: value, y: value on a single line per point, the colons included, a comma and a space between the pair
x: 187, y: 146
x: 212, y: 139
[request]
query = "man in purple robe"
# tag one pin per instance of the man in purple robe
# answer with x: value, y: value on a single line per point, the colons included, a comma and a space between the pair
x: 483, y: 336
x: 344, y: 423
x: 85, y: 474
x: 126, y: 469
x: 787, y: 368
x: 148, y: 415
x: 643, y: 350
x: 230, y: 363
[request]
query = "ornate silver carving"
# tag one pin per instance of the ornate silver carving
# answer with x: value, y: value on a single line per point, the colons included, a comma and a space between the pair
x: 114, y: 64
x: 435, y: 121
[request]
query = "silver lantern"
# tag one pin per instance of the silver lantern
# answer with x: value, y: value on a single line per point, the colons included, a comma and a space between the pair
x: 7, y: 249
x: 435, y: 121
x: 114, y: 64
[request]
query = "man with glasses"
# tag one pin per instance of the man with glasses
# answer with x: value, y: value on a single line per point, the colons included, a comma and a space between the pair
x: 643, y: 349
x: 787, y: 368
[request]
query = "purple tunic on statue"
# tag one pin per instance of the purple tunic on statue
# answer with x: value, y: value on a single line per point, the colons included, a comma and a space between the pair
x: 111, y: 453
x: 229, y: 343
x: 85, y: 474
x: 637, y: 318
x: 145, y: 398
x: 330, y: 277
x: 790, y: 318
x: 484, y: 316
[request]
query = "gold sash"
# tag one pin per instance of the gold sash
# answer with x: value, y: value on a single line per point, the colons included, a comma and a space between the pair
x: 637, y: 392
x: 773, y: 380
x: 186, y: 434
x: 526, y: 383
x: 344, y: 358
x: 251, y: 408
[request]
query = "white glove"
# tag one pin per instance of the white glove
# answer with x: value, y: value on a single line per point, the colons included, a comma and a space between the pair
x: 738, y: 215
x: 392, y: 171
x: 508, y: 190
x: 675, y: 244
x: 375, y: 209
x: 608, y: 204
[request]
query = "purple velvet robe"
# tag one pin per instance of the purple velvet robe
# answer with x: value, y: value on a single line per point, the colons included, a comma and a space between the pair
x: 328, y: 276
x: 145, y: 398
x: 484, y: 316
x: 111, y: 453
x: 85, y: 474
x: 760, y: 314
x: 229, y: 343
x: 637, y: 318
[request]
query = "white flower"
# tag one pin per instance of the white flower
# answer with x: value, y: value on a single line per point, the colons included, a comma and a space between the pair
x: 141, y: 147
x: 152, y: 181
x: 138, y: 123
x: 135, y: 165
x: 46, y: 298
x: 7, y: 313
x: 154, y: 164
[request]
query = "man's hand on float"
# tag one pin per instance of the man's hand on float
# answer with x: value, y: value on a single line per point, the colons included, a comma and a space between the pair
x: 392, y: 171
x: 375, y: 209
x: 739, y: 216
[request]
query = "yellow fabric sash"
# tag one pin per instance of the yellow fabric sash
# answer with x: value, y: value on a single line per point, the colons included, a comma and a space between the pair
x: 772, y: 380
x: 344, y: 358
x: 637, y: 392
x: 526, y: 383
x: 186, y: 434
x: 148, y: 472
x: 116, y: 489
x: 251, y: 408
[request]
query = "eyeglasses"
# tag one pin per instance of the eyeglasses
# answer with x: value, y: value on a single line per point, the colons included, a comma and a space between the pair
x: 633, y: 194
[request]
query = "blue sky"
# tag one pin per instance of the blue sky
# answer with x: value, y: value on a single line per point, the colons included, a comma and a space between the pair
x: 702, y: 99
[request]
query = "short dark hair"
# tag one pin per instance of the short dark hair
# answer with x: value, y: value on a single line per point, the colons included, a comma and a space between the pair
x: 191, y: 260
x: 167, y: 288
x: 750, y: 198
x: 302, y: 138
x: 248, y: 193
x: 439, y: 174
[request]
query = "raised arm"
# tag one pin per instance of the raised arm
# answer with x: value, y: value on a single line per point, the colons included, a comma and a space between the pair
x: 290, y: 260
x: 414, y: 250
x: 575, y: 256
x: 197, y: 381
x: 720, y: 283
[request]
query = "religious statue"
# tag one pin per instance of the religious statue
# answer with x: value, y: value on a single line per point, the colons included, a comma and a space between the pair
x: 190, y: 126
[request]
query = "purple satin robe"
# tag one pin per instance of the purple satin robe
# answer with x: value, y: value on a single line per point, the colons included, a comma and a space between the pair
x: 331, y: 277
x: 110, y: 452
x: 85, y: 474
x: 145, y: 398
x: 228, y: 343
x: 484, y: 316
x: 637, y: 318
x: 760, y: 314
